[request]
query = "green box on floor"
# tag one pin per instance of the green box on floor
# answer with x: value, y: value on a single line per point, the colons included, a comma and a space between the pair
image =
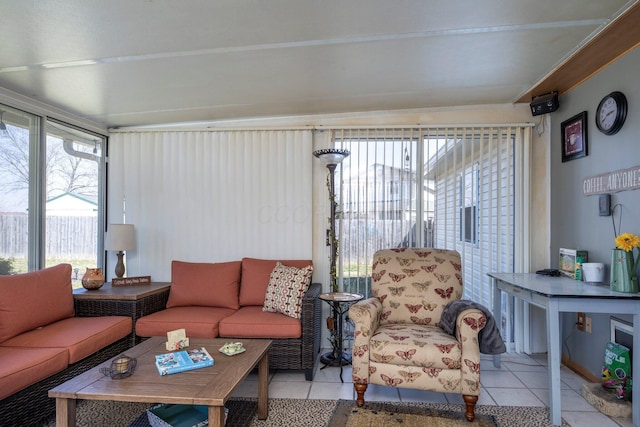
x: 166, y: 415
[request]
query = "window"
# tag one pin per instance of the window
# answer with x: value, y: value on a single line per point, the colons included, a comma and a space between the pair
x: 17, y: 152
x: 51, y: 209
x: 468, y: 204
x: 72, y: 194
x: 449, y: 188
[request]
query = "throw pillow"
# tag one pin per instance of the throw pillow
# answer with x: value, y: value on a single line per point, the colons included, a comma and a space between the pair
x: 204, y: 284
x: 255, y: 277
x: 287, y: 286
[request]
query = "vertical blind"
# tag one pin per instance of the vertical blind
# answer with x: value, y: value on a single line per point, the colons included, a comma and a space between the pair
x: 211, y: 196
x: 450, y: 188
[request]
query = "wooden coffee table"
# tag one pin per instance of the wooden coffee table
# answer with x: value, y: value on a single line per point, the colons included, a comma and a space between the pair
x: 211, y: 386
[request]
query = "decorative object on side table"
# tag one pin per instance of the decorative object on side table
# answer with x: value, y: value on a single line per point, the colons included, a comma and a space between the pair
x: 122, y: 366
x: 93, y: 278
x: 131, y: 281
x: 624, y: 268
x: 574, y: 137
x: 571, y: 261
x: 120, y: 238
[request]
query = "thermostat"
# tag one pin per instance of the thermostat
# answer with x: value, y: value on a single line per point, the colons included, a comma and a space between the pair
x: 604, y: 205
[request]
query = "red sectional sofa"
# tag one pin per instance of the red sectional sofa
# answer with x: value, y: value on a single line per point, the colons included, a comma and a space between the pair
x: 226, y: 300
x: 42, y: 343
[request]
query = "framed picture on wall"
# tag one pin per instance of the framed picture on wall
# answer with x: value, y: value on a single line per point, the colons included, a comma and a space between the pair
x: 574, y: 137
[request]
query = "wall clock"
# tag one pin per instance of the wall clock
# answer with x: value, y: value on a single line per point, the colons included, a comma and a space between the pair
x: 611, y: 113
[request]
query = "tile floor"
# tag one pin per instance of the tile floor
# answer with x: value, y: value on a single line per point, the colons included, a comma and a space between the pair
x: 521, y: 381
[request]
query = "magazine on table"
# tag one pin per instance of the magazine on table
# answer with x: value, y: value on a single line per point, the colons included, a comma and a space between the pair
x: 184, y: 360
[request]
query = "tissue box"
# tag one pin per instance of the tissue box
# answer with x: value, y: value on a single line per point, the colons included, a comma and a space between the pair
x: 166, y: 415
x: 571, y: 261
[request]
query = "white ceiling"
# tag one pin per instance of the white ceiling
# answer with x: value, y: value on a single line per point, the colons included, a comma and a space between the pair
x: 143, y: 62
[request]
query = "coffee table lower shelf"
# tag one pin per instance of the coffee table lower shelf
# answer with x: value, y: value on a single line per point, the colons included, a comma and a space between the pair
x: 210, y: 386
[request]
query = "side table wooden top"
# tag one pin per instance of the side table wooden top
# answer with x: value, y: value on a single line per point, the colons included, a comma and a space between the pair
x: 107, y: 291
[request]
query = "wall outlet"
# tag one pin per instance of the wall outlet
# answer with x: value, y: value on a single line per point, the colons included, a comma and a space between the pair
x: 580, y: 321
x: 587, y: 324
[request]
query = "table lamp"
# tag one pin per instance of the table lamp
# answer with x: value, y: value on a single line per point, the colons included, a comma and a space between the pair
x: 120, y: 238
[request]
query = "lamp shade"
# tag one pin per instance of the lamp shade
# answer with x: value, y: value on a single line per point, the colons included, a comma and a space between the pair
x: 331, y: 156
x: 120, y: 237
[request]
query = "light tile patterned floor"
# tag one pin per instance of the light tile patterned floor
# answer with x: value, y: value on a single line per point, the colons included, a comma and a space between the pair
x: 521, y: 381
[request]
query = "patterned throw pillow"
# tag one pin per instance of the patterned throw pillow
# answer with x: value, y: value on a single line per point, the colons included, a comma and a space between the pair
x: 287, y: 286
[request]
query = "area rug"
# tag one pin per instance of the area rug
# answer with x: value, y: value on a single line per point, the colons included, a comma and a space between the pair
x: 314, y: 413
x: 410, y: 414
x: 381, y: 414
x: 242, y: 413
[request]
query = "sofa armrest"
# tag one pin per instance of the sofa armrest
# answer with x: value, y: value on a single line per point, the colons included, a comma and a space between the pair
x: 310, y: 320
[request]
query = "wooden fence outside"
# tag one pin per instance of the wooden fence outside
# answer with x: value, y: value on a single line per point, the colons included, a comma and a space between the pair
x: 70, y: 237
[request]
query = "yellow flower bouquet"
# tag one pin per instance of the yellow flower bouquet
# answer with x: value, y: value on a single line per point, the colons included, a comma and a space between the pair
x: 627, y: 242
x: 623, y: 265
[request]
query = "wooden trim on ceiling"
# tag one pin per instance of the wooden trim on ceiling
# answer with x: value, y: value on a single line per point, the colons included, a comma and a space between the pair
x: 614, y: 41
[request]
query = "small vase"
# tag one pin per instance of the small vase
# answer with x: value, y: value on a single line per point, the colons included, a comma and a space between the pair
x: 93, y: 278
x: 621, y: 272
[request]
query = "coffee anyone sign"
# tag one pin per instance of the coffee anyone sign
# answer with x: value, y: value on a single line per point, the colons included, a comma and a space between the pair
x: 612, y: 182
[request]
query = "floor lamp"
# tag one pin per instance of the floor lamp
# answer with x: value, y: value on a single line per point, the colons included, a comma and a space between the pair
x: 332, y: 157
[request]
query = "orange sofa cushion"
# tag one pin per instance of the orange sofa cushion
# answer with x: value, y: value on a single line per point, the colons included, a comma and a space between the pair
x: 198, y: 322
x: 22, y: 367
x: 81, y: 336
x: 252, y: 322
x: 204, y: 284
x: 34, y: 299
x: 255, y: 278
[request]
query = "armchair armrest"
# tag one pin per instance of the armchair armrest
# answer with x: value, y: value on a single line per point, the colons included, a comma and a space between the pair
x: 366, y: 317
x: 469, y: 323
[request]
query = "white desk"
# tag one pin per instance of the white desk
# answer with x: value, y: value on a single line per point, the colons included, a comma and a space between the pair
x: 561, y: 294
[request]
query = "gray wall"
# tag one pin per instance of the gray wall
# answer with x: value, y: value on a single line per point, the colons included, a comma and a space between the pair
x: 574, y: 217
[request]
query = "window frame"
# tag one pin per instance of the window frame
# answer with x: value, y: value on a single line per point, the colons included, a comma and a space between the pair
x: 40, y: 114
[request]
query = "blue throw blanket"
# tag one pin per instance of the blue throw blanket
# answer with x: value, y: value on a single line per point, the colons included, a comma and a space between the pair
x: 489, y: 337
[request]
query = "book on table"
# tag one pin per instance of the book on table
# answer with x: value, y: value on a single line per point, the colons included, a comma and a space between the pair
x: 184, y: 360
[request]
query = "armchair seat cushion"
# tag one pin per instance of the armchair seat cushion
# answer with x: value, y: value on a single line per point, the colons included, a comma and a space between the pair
x: 415, y: 345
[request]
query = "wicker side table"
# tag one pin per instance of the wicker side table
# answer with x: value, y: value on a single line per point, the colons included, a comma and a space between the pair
x: 133, y: 301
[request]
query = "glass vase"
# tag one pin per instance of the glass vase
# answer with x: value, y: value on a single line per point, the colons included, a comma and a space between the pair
x: 621, y: 272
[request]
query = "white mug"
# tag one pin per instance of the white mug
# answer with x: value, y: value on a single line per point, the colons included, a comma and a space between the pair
x: 593, y: 272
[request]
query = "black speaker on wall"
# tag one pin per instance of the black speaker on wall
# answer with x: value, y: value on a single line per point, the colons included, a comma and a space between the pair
x: 543, y: 104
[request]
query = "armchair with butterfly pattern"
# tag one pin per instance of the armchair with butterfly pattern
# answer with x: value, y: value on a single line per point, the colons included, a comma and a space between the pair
x: 397, y: 340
